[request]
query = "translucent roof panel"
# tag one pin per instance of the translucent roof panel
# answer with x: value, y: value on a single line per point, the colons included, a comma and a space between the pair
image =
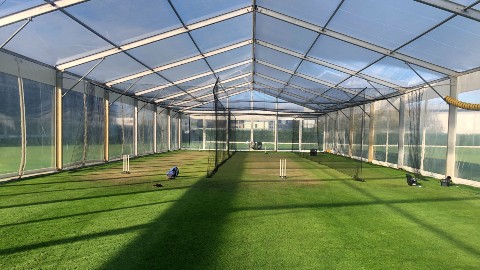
x: 186, y: 70
x: 240, y: 101
x: 163, y: 92
x: 453, y: 45
x: 273, y: 73
x: 233, y: 72
x: 307, y: 84
x: 123, y: 21
x: 342, y: 54
x: 283, y: 34
x: 355, y: 82
x: 7, y: 31
x: 313, y: 11
x: 230, y: 57
x: 166, y: 51
x: 321, y: 72
x: 235, y: 82
x: 398, y: 72
x: 198, y: 83
x: 276, y: 58
x: 268, y: 83
x: 387, y: 23
x: 113, y: 67
x: 54, y: 38
x: 225, y: 33
x: 299, y: 92
x: 144, y: 83
x: 337, y: 94
x: 13, y: 6
x: 199, y: 10
x: 464, y: 2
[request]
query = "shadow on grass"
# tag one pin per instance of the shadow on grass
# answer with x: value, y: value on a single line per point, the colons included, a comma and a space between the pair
x: 434, y: 229
x: 187, y: 235
x: 85, y: 213
x: 90, y: 197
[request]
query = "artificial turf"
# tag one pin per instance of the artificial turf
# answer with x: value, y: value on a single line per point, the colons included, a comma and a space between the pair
x: 245, y: 217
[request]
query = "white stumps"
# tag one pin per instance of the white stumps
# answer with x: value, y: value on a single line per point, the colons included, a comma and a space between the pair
x: 126, y: 163
x: 283, y: 168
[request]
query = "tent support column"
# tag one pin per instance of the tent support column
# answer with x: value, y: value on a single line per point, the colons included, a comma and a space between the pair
x: 135, y: 128
x: 300, y: 128
x: 401, y: 132
x: 371, y: 132
x: 169, y: 131
x: 204, y: 131
x: 452, y: 129
x: 155, y: 130
x: 58, y: 121
x: 106, y: 124
x: 350, y: 134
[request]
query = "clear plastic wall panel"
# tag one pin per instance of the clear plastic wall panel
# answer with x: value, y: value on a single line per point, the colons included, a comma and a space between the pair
x: 73, y: 128
x: 123, y: 21
x: 277, y: 58
x: 121, y: 116
x: 264, y: 132
x: 467, y: 150
x: 397, y: 72
x: 95, y: 124
x: 145, y: 129
x: 210, y: 133
x: 174, y: 131
x: 322, y: 73
x: 452, y: 45
x: 393, y: 123
x: 83, y: 126
x: 435, y: 130
x: 10, y: 128
x: 359, y: 134
x: 321, y: 132
x: 191, y: 12
x: 230, y: 57
x: 343, y: 132
x: 283, y: 34
x: 225, y: 33
x: 113, y: 67
x: 162, y: 130
x: 10, y: 7
x: 387, y: 23
x: 381, y: 129
x: 186, y: 70
x: 272, y: 73
x: 166, y: 51
x: 54, y: 38
x: 185, y: 128
x: 330, y: 126
x: 288, y: 134
x: 316, y: 12
x: 309, y: 134
x: 342, y: 53
x: 196, y: 132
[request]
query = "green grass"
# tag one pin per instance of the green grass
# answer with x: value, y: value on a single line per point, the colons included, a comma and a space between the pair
x: 245, y: 217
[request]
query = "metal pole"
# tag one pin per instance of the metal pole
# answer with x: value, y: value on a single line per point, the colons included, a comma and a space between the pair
x: 401, y: 132
x: 58, y: 121
x: 452, y: 129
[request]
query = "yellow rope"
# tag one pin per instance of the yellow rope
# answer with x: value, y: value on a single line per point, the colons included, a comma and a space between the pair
x: 461, y: 104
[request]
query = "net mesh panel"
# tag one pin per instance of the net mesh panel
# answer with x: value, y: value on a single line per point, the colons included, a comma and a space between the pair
x: 295, y: 135
x: 414, y: 133
x: 83, y: 126
x: 222, y: 130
